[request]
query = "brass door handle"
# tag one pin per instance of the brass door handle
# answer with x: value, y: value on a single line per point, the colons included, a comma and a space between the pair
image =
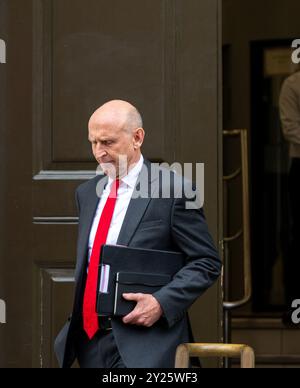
x: 245, y: 231
x: 185, y: 351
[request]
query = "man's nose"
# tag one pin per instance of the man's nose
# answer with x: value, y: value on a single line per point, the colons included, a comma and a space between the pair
x: 100, y: 153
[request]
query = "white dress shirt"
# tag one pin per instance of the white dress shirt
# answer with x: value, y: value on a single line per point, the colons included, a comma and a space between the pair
x: 125, y: 191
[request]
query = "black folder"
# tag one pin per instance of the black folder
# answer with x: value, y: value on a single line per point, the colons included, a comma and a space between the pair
x: 133, y: 270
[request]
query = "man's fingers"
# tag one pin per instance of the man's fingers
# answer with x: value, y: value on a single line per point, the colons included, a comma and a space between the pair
x: 143, y: 313
x: 127, y: 319
x: 135, y: 297
x: 130, y: 317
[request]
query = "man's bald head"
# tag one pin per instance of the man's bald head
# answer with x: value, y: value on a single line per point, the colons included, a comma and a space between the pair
x: 117, y: 112
x: 116, y: 133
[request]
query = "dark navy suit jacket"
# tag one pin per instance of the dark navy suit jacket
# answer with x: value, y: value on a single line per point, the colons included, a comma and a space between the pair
x: 154, y: 223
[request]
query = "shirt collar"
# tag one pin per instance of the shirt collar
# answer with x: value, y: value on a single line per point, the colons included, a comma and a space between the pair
x: 131, y: 178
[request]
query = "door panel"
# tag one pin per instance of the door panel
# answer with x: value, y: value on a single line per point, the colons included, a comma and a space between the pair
x: 159, y: 54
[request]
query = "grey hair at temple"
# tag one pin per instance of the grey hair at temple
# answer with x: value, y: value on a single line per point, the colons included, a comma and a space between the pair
x: 134, y: 120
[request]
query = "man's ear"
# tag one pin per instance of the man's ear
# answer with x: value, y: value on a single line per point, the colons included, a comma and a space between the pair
x: 139, y: 136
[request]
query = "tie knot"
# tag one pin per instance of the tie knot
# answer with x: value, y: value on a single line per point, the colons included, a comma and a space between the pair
x: 114, y: 188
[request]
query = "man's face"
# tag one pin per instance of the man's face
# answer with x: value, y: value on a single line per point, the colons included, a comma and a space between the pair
x: 112, y: 146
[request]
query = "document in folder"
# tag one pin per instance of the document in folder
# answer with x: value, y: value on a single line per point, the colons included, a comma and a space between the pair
x: 132, y: 270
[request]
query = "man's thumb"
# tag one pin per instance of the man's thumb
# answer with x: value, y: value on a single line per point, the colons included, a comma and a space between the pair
x: 129, y: 296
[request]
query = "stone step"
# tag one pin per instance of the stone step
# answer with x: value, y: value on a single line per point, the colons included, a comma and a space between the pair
x: 275, y: 345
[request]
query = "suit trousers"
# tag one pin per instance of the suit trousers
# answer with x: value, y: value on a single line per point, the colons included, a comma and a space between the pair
x: 99, y: 352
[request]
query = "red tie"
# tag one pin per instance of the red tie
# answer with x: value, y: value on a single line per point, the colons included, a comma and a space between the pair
x: 90, y: 317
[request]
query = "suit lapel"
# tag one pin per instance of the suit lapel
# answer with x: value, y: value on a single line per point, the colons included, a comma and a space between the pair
x: 137, y: 206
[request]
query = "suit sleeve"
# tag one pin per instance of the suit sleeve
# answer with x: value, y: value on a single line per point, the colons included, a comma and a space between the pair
x: 203, y: 266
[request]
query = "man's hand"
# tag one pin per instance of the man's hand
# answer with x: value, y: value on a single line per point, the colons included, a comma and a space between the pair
x: 146, y: 312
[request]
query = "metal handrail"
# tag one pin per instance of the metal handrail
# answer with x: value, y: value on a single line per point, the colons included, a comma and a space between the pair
x: 233, y: 238
x: 229, y: 305
x: 185, y: 351
x: 234, y: 175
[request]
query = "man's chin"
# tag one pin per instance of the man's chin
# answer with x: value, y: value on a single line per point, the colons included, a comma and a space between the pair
x: 108, y: 169
x: 112, y: 171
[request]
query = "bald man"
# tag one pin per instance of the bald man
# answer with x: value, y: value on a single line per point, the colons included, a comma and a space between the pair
x: 148, y: 336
